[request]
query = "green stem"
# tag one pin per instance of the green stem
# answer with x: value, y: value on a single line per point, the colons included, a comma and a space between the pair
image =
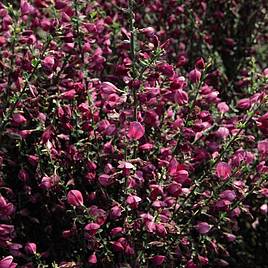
x: 133, y: 54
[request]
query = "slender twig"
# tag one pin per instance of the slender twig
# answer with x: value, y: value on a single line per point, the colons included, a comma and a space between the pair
x: 133, y: 54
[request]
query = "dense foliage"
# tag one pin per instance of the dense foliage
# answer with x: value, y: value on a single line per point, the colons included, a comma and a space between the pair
x: 133, y: 133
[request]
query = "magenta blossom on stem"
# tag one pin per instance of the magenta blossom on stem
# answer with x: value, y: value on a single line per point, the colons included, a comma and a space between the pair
x: 263, y: 123
x: 92, y: 259
x: 158, y: 260
x: 195, y: 76
x: 19, y: 119
x: 7, y: 262
x: 92, y: 228
x: 203, y: 227
x: 135, y: 131
x: 223, y: 170
x: 133, y: 201
x: 75, y: 198
x: 30, y: 248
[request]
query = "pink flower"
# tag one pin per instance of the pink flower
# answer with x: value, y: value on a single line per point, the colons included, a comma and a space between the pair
x: 203, y: 260
x: 265, y: 72
x: 117, y: 246
x: 222, y: 132
x: 228, y: 195
x: 174, y: 189
x: 68, y: 95
x: 92, y: 228
x: 181, y: 97
x: 200, y: 64
x: 115, y: 212
x: 105, y: 180
x: 263, y: 147
x: 48, y: 63
x: 166, y: 69
x: 222, y: 107
x: 263, y: 123
x: 223, y: 170
x: 150, y: 226
x: 46, y: 183
x: 75, y: 198
x: 203, y: 227
x: 30, y: 248
x: 161, y: 230
x: 195, y: 76
x: 264, y: 209
x: 133, y: 201
x: 116, y: 230
x: 108, y: 88
x: 19, y: 119
x: 26, y: 8
x: 23, y: 175
x: 244, y: 104
x: 7, y: 262
x: 191, y: 264
x: 135, y: 131
x: 158, y: 260
x: 92, y: 259
x: 230, y: 237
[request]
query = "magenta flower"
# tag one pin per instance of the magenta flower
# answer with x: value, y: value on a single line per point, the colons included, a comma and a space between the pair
x: 181, y: 97
x: 195, y: 76
x: 203, y: 260
x: 68, y: 95
x: 117, y: 246
x: 222, y: 132
x: 263, y: 147
x: 244, y: 104
x: 203, y: 227
x: 48, y: 63
x: 174, y: 189
x: 19, y: 119
x: 264, y: 209
x: 230, y: 237
x: 92, y: 259
x: 30, y: 248
x: 223, y: 170
x: 229, y: 195
x: 135, y: 131
x: 115, y: 212
x: 133, y: 201
x: 105, y: 180
x: 75, y: 198
x: 263, y: 123
x: 7, y: 262
x: 92, y: 228
x: 200, y: 64
x: 158, y: 260
x: 116, y: 230
x: 191, y: 264
x: 223, y: 107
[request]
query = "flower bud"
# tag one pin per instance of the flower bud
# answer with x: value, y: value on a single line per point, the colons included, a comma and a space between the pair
x: 30, y: 248
x: 135, y: 131
x: 75, y: 198
x: 158, y: 260
x: 195, y: 76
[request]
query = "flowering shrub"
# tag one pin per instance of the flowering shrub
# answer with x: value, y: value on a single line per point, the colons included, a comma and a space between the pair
x: 132, y: 134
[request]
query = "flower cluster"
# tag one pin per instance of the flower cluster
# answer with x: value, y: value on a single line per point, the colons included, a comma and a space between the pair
x: 120, y: 144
